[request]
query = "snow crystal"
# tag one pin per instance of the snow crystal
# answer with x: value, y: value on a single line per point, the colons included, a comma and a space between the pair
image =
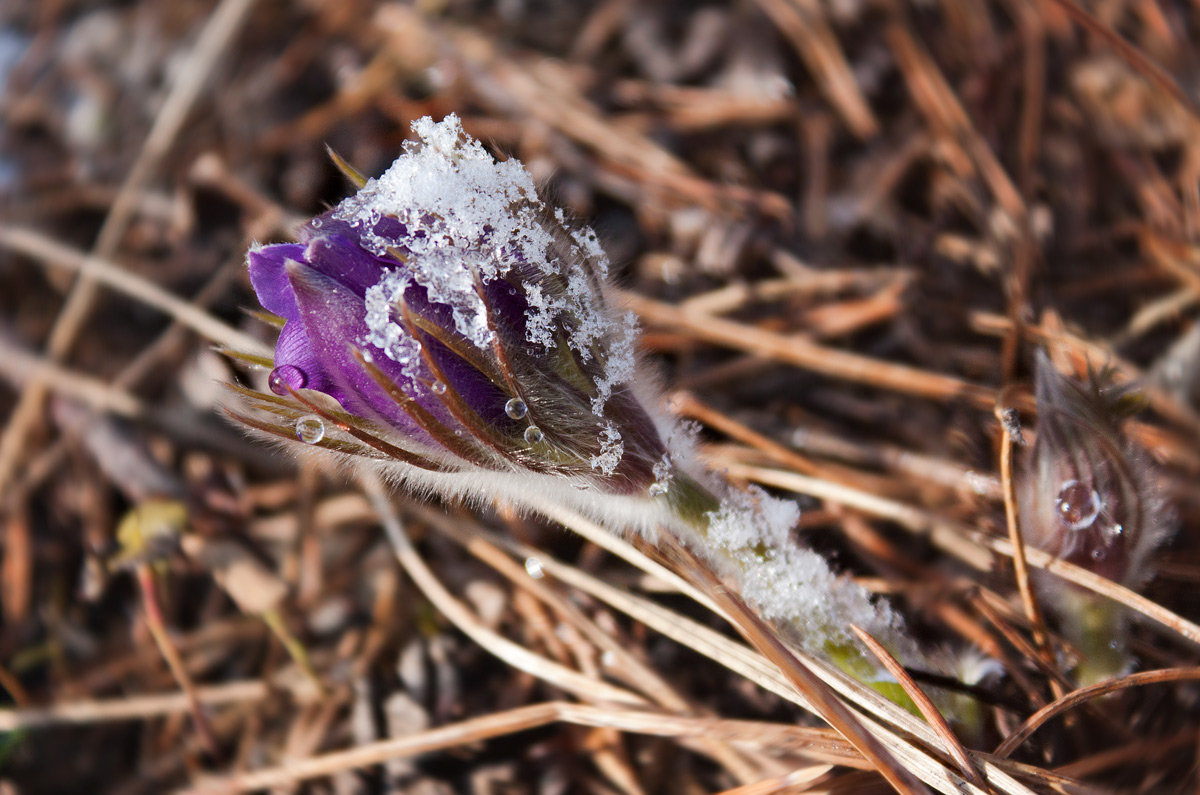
x: 611, y: 450
x: 620, y: 361
x: 464, y: 215
x: 752, y: 519
x: 458, y: 218
x: 382, y: 330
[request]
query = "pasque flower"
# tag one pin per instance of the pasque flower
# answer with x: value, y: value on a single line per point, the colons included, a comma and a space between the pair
x: 447, y: 327
x: 461, y: 327
x: 1088, y: 497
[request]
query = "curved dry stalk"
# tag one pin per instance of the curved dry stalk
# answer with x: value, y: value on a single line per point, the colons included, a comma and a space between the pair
x: 1084, y: 694
x: 519, y: 657
x: 626, y: 667
x: 833, y: 362
x: 100, y: 270
x: 218, y: 33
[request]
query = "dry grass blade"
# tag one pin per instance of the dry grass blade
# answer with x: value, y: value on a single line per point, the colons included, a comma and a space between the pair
x: 810, y: 356
x: 805, y: 25
x: 136, y: 707
x: 953, y: 746
x: 819, y: 696
x: 889, y: 723
x: 522, y: 719
x: 1085, y: 694
x: 512, y: 653
x: 1010, y: 432
x: 971, y: 546
x: 102, y: 272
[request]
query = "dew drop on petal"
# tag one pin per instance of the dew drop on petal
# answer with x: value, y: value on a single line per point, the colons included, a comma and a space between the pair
x: 284, y: 376
x: 438, y: 388
x: 310, y: 429
x: 516, y: 409
x: 533, y: 434
x: 1078, y: 505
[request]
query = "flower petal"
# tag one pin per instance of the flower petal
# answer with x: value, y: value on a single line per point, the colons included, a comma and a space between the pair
x: 332, y: 318
x: 344, y: 261
x: 268, y: 276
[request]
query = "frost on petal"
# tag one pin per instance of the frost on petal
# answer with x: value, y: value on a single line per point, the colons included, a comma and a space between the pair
x: 464, y: 217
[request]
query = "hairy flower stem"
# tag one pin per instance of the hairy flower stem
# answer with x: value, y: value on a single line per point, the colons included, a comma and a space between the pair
x: 693, y: 508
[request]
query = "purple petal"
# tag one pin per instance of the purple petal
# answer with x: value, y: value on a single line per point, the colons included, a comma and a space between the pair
x: 333, y: 321
x: 268, y: 276
x: 342, y: 260
x: 294, y: 349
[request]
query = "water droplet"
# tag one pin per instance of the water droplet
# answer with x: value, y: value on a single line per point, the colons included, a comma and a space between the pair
x: 316, y: 222
x: 533, y: 567
x: 438, y: 388
x: 284, y: 376
x: 533, y: 434
x: 516, y: 409
x: 657, y: 489
x: 310, y: 429
x: 1078, y: 505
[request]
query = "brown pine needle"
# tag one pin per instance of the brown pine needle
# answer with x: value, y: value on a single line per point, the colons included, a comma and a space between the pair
x: 1085, y: 694
x: 953, y: 745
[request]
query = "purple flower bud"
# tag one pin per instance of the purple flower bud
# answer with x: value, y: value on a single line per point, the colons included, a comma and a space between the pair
x: 1086, y: 496
x: 460, y: 326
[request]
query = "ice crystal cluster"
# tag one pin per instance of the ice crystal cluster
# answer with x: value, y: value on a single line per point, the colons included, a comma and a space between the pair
x: 445, y: 326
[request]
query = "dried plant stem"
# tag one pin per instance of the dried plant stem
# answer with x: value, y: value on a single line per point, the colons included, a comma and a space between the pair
x: 474, y: 730
x: 132, y: 707
x: 822, y: 700
x: 1033, y: 611
x: 1084, y: 694
x: 518, y: 656
x: 158, y: 629
x: 294, y: 647
x: 953, y: 745
x: 754, y: 668
x: 804, y: 353
x: 1132, y: 55
x: 970, y: 545
x: 102, y: 271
